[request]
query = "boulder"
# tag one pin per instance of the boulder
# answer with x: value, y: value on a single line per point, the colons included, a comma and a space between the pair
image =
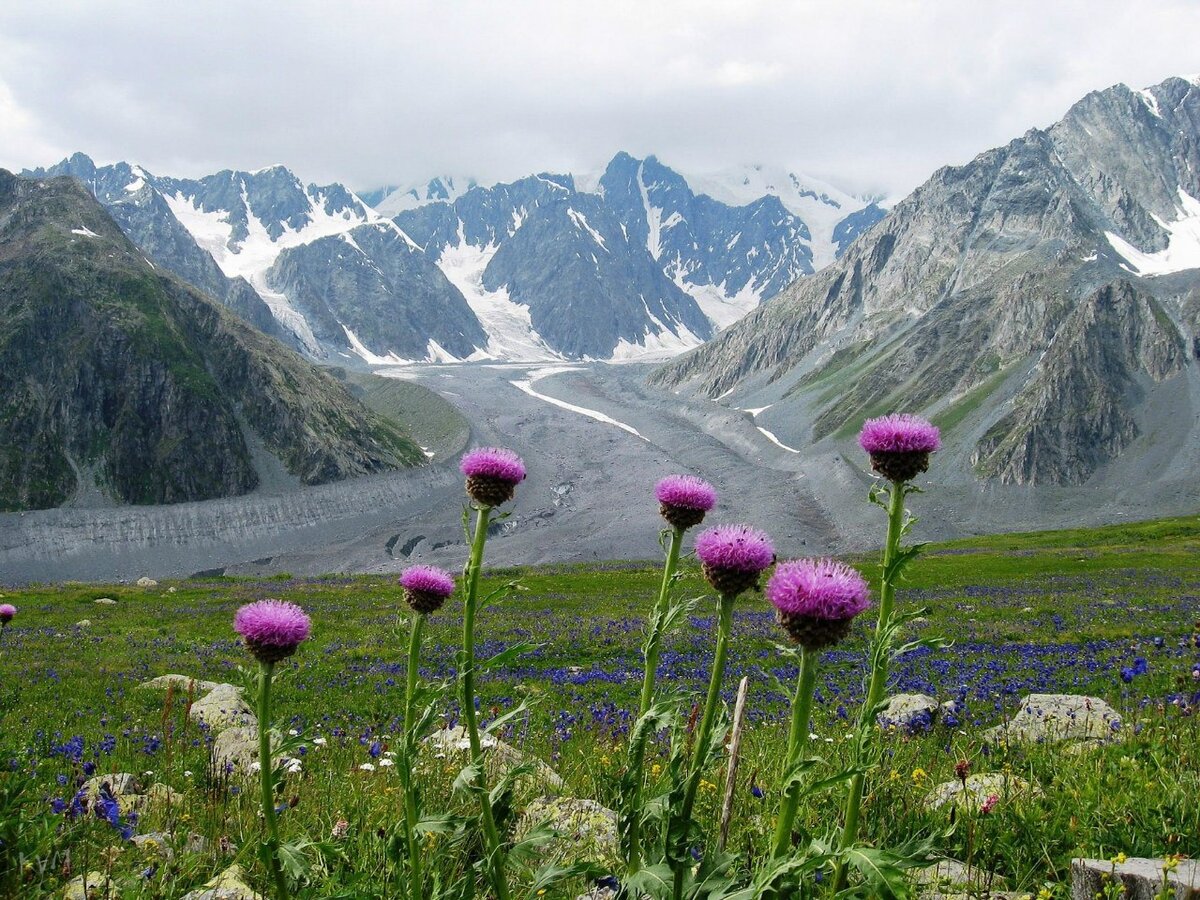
x: 92, y: 886
x: 588, y: 829
x: 1141, y: 878
x: 978, y: 788
x: 105, y: 601
x: 157, y: 842
x: 182, y: 684
x: 229, y: 885
x: 145, y: 582
x: 223, y: 707
x: 84, y: 623
x: 122, y: 784
x: 163, y: 795
x: 912, y: 712
x: 1058, y: 717
x: 236, y: 748
x: 951, y: 876
x: 499, y: 757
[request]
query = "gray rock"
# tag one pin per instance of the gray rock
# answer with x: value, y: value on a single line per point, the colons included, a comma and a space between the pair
x: 122, y: 784
x: 229, y: 885
x: 950, y: 875
x: 182, y: 683
x: 163, y: 796
x: 146, y: 582
x: 1141, y: 878
x: 236, y: 747
x: 1063, y: 357
x: 105, y: 601
x: 156, y: 842
x: 499, y: 757
x: 574, y: 247
x: 913, y: 712
x: 978, y: 788
x: 223, y: 707
x: 1058, y: 717
x: 92, y: 886
x: 588, y: 829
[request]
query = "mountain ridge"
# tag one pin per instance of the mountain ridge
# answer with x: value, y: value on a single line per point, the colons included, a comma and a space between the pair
x: 986, y: 276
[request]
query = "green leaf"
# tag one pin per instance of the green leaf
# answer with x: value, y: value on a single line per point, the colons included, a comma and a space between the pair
x: 505, y: 657
x: 551, y: 875
x: 501, y: 721
x: 470, y: 779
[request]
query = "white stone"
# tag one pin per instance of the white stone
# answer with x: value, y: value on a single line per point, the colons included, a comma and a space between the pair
x: 145, y: 582
x: 106, y: 601
x: 183, y: 683
x: 978, y: 788
x: 92, y: 886
x: 588, y: 829
x: 223, y: 707
x: 1058, y: 717
x: 499, y: 757
x: 229, y: 885
x: 905, y: 710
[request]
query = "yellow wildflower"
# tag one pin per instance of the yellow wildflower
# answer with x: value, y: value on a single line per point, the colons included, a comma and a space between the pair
x: 919, y: 775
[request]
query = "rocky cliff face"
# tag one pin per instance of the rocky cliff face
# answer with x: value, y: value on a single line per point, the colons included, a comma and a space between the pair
x: 372, y: 291
x: 1050, y: 274
x: 592, y: 290
x: 130, y: 196
x: 120, y: 381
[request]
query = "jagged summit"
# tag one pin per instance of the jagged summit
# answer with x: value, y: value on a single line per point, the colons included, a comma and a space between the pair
x: 1042, y: 302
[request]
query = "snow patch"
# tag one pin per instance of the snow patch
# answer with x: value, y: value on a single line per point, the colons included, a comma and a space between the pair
x: 371, y: 358
x: 653, y: 216
x: 85, y: 231
x: 721, y: 307
x: 776, y: 441
x: 508, y: 324
x: 581, y: 223
x: 1151, y: 102
x: 526, y: 385
x: 1183, y: 244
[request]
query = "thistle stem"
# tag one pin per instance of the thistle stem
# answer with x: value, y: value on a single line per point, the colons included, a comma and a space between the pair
x: 712, y: 701
x: 410, y: 739
x: 495, y: 866
x: 266, y: 772
x: 653, y: 652
x: 879, y: 672
x: 654, y: 643
x: 802, y: 705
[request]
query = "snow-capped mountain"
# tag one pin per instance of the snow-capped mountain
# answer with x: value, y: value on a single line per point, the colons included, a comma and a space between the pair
x: 729, y: 258
x: 639, y: 267
x: 825, y: 209
x: 388, y: 201
x: 1040, y: 303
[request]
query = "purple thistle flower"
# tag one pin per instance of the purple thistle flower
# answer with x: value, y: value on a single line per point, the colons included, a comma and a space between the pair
x: 7, y: 611
x: 272, y: 629
x: 732, y: 556
x: 899, y: 445
x: 684, y: 499
x: 426, y: 588
x: 492, y: 474
x: 816, y: 600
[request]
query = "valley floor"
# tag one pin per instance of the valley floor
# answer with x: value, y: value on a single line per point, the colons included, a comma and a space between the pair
x: 595, y: 438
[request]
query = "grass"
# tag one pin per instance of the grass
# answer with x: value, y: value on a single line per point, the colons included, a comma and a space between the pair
x: 1038, y: 612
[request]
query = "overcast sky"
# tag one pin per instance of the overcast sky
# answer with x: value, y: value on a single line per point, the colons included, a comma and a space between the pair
x: 872, y: 96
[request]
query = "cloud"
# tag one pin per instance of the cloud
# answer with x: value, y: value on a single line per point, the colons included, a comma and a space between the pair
x: 871, y: 95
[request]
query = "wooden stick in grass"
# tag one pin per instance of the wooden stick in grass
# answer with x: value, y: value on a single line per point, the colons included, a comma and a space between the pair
x: 735, y: 748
